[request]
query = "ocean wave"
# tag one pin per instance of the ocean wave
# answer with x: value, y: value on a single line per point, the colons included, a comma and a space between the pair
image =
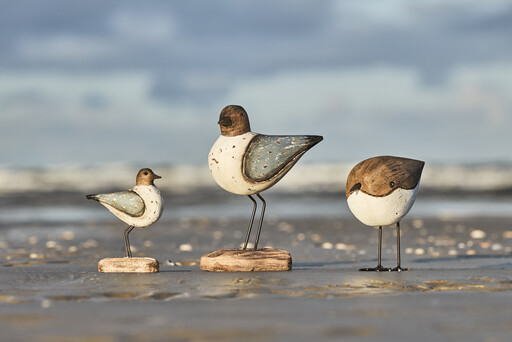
x: 326, y: 178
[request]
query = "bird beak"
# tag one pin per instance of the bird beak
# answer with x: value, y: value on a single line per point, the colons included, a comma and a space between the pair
x: 356, y: 186
x: 156, y: 177
x: 225, y: 121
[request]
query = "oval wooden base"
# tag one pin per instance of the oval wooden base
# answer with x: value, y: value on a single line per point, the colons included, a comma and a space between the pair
x: 248, y: 260
x: 128, y: 265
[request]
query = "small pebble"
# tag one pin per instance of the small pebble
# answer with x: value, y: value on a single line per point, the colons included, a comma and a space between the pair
x: 51, y: 244
x: 417, y: 223
x: 471, y: 252
x: 327, y: 245
x: 315, y: 237
x: 32, y: 240
x: 217, y: 235
x: 249, y: 245
x: 477, y: 234
x: 409, y: 250
x: 148, y: 243
x: 186, y: 247
x: 452, y: 252
x: 45, y: 304
x: 485, y: 244
x: 344, y: 247
x: 68, y: 235
x: 90, y: 243
x: 419, y: 251
x: 461, y: 245
x: 496, y: 247
x: 73, y: 249
x: 301, y: 236
x: 285, y: 227
x: 507, y: 234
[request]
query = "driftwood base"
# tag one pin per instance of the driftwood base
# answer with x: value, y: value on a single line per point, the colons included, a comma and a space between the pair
x: 248, y: 260
x: 128, y: 265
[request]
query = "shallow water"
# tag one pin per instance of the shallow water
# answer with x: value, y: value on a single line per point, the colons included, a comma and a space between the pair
x: 277, y: 207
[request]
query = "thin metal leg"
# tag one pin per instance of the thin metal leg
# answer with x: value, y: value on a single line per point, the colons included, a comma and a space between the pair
x: 379, y: 267
x: 127, y: 232
x: 398, y: 244
x: 261, y: 221
x: 379, y: 264
x: 398, y: 267
x: 251, y: 221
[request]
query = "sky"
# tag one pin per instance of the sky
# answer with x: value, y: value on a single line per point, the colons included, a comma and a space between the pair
x: 143, y: 82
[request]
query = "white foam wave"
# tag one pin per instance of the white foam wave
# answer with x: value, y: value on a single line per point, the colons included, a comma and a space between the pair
x: 185, y: 179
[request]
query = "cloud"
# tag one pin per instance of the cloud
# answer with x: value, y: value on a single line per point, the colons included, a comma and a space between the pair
x: 81, y: 79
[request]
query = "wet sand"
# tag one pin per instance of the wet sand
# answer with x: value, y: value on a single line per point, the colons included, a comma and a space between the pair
x: 459, y: 288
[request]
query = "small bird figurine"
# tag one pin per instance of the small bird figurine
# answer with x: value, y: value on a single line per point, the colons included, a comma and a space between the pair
x: 381, y: 191
x: 139, y: 206
x: 247, y: 163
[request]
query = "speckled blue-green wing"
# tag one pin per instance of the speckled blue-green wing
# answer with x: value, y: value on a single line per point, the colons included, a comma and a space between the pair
x: 126, y: 201
x: 269, y: 156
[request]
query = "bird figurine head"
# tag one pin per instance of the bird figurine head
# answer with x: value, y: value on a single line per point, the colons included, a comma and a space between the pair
x: 234, y: 121
x: 146, y: 177
x: 380, y: 176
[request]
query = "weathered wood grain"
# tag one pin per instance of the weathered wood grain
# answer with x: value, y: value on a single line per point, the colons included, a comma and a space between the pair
x: 128, y: 265
x: 380, y: 176
x: 239, y: 260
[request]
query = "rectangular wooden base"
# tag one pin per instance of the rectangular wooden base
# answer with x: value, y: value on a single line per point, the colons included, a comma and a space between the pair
x: 248, y: 260
x: 128, y: 265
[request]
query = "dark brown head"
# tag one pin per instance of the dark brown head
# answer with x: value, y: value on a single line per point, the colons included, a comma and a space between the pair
x: 146, y: 177
x: 380, y: 176
x: 234, y: 121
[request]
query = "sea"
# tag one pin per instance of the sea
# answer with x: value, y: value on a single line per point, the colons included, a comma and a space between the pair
x: 56, y: 193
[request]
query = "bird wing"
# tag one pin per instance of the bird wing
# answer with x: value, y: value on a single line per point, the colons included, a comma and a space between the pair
x: 268, y: 156
x: 126, y: 201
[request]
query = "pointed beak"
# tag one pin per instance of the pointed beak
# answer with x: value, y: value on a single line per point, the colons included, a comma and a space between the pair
x: 156, y: 177
x: 356, y: 186
x: 225, y: 121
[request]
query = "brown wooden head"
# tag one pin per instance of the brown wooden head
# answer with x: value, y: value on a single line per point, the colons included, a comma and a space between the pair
x: 234, y: 121
x: 146, y: 177
x: 380, y: 176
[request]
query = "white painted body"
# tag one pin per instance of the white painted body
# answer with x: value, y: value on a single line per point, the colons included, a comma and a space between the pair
x: 382, y: 211
x: 153, y: 207
x: 225, y: 162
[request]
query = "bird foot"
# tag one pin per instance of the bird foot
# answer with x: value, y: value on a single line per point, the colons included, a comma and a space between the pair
x: 379, y: 268
x: 399, y: 269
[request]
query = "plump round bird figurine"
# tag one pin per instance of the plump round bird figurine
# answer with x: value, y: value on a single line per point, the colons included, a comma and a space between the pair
x: 138, y: 207
x: 247, y: 163
x: 380, y: 192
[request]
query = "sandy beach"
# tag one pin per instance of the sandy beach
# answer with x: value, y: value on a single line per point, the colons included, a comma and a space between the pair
x: 459, y: 286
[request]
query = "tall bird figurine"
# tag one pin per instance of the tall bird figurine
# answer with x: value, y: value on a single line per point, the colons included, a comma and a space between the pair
x: 380, y: 192
x: 247, y: 163
x: 138, y: 207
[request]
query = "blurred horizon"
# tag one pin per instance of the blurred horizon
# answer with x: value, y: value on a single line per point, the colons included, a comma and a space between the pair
x: 92, y: 83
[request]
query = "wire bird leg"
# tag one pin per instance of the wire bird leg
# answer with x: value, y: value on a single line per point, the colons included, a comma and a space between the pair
x: 251, y: 221
x: 127, y: 232
x: 261, y: 220
x: 398, y: 267
x: 379, y: 267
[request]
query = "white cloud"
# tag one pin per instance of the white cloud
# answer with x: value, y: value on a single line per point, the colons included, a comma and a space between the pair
x: 142, y: 25
x: 66, y: 48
